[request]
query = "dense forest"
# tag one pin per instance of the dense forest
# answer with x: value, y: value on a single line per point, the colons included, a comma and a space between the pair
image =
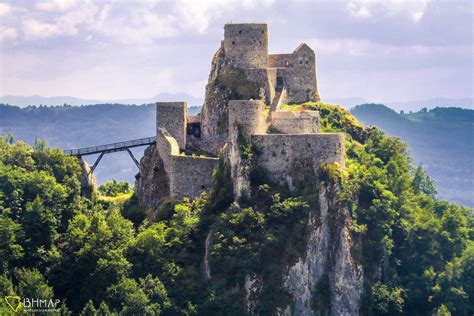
x: 102, y: 254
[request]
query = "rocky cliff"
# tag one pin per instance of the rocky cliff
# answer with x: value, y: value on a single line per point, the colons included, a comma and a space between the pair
x: 87, y: 179
x: 226, y: 82
x: 152, y: 185
x: 326, y: 279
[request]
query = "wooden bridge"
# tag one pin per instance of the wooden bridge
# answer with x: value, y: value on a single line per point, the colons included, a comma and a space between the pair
x: 111, y: 148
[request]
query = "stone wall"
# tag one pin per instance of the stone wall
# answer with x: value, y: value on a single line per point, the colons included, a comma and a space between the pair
x: 279, y: 60
x: 248, y: 115
x: 167, y: 146
x: 172, y: 117
x: 246, y: 45
x: 294, y: 122
x: 191, y: 176
x: 188, y: 176
x: 284, y: 154
x: 298, y: 72
x: 211, y: 145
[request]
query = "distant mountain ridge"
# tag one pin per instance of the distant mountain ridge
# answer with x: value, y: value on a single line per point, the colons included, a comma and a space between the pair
x: 347, y: 102
x: 23, y: 101
x: 440, y: 138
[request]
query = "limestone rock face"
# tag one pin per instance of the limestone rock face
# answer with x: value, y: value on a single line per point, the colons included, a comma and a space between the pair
x: 87, y: 179
x: 327, y: 253
x: 214, y: 116
x: 152, y: 185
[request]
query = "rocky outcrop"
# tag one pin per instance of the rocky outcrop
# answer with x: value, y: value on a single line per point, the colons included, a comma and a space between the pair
x: 152, y: 184
x: 326, y: 280
x: 214, y: 116
x: 87, y: 179
x: 327, y: 255
x: 226, y: 82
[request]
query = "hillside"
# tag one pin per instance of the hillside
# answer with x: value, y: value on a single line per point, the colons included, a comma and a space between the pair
x: 440, y: 139
x: 98, y: 255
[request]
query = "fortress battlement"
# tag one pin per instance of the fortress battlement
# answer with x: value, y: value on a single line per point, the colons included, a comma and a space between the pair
x: 286, y: 140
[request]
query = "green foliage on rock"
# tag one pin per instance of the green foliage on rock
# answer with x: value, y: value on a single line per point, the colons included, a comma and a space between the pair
x: 195, y: 257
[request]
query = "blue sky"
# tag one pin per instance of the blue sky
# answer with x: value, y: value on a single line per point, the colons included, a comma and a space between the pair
x: 380, y: 50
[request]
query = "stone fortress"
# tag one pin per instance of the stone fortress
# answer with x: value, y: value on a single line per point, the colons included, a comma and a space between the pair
x: 246, y: 88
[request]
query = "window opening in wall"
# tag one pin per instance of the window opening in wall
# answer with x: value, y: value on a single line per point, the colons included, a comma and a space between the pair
x: 287, y: 63
x: 307, y: 62
x: 194, y: 129
x: 279, y: 81
x: 240, y: 31
x: 233, y: 42
x: 260, y: 42
x: 301, y: 62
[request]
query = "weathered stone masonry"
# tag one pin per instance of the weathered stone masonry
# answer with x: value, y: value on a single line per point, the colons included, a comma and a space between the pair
x: 284, y: 138
x: 281, y: 154
x: 188, y: 175
x: 172, y: 117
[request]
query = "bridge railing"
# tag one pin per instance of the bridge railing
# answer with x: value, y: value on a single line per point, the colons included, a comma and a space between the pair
x: 110, y: 147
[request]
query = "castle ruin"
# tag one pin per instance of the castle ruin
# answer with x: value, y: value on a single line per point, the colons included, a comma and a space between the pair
x: 246, y: 88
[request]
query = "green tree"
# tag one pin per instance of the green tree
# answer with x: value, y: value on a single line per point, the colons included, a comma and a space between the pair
x: 423, y: 183
x: 114, y: 188
x: 31, y: 283
x: 10, y: 249
x: 89, y: 309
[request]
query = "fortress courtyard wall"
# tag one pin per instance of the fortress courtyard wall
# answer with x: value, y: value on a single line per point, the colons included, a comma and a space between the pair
x: 284, y: 154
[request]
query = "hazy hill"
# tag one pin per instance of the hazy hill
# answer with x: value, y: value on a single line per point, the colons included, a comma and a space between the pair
x: 23, y: 101
x: 413, y: 105
x: 441, y: 139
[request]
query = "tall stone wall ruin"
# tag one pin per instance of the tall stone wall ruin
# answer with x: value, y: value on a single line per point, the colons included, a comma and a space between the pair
x: 285, y: 155
x: 172, y: 117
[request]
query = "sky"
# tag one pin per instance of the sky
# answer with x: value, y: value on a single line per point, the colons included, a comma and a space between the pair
x: 379, y: 50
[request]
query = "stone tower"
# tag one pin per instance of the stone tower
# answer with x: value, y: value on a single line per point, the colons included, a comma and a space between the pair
x: 246, y: 45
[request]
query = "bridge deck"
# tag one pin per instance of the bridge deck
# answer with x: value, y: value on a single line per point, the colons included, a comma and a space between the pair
x: 109, y: 148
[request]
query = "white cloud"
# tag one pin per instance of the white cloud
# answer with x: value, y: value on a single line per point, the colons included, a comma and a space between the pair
x: 7, y: 33
x: 5, y: 9
x: 66, y: 24
x: 368, y: 49
x: 146, y: 21
x: 56, y: 5
x: 139, y: 22
x: 35, y: 29
x: 414, y: 9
